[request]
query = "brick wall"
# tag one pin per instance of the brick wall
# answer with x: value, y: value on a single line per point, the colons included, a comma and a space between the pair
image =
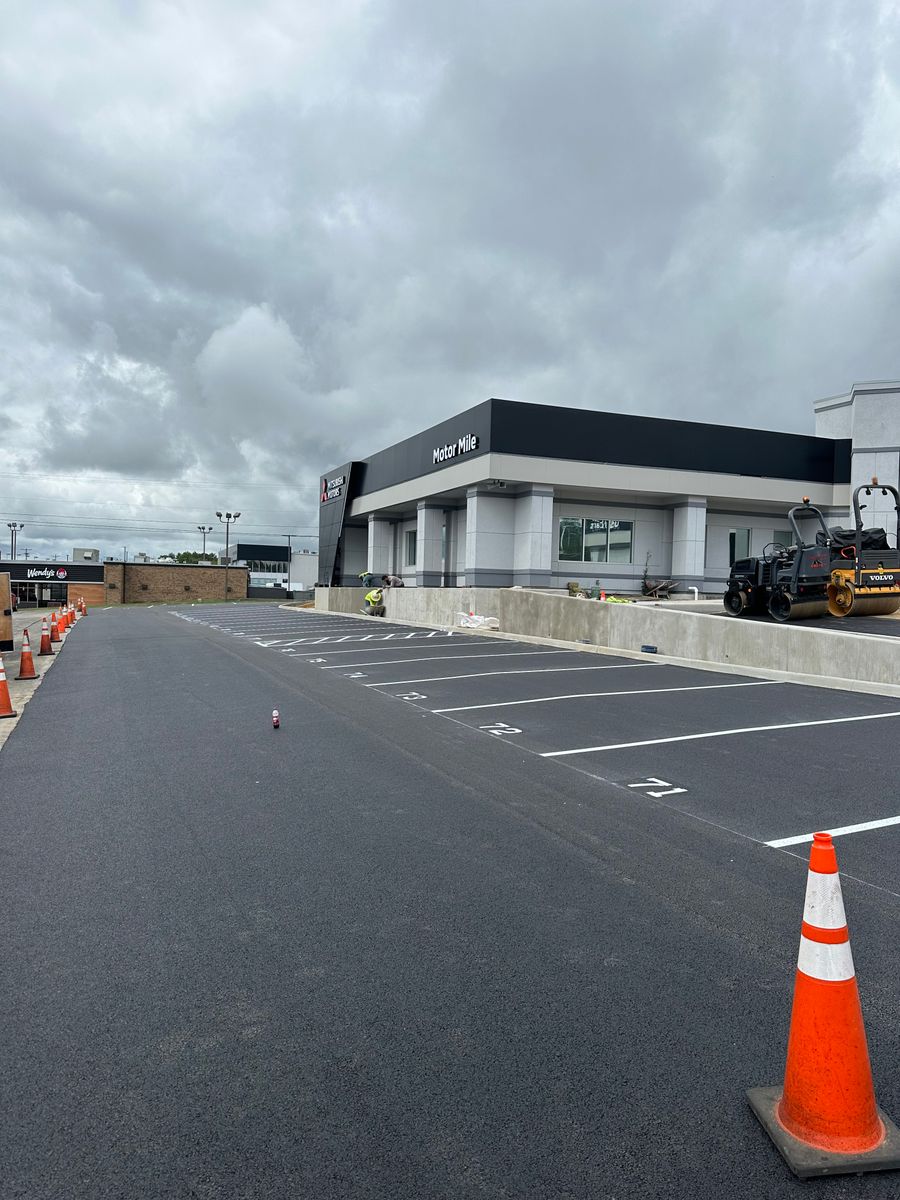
x: 93, y: 594
x: 161, y: 583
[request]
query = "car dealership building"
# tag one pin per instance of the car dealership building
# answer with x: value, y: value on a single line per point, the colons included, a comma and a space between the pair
x: 509, y: 493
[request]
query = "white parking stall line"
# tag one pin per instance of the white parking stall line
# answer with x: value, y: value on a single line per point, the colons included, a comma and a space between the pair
x: 383, y: 662
x: 696, y: 737
x: 703, y: 687
x: 487, y: 674
x: 863, y: 827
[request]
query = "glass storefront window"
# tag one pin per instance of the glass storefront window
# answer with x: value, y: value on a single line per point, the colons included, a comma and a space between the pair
x: 584, y: 539
x: 738, y: 544
x: 411, y: 547
x: 619, y: 542
x: 571, y: 539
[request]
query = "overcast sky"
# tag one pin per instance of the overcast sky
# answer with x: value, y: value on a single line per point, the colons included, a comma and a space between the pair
x: 242, y: 243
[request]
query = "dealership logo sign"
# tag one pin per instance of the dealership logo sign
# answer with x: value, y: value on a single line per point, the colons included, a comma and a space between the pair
x: 465, y: 445
x: 332, y: 488
x: 47, y: 573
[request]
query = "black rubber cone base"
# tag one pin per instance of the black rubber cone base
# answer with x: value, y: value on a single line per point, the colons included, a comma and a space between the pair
x: 808, y: 1161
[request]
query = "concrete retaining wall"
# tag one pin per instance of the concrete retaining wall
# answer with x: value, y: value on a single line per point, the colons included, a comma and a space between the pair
x: 800, y: 650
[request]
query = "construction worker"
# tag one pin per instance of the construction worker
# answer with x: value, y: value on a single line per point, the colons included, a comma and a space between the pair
x: 368, y: 579
x: 374, y: 603
x: 392, y: 581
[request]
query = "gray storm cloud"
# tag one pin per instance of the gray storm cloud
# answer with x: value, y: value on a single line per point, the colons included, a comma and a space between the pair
x: 242, y: 244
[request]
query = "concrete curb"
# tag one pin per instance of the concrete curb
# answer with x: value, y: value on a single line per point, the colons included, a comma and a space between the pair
x: 807, y: 678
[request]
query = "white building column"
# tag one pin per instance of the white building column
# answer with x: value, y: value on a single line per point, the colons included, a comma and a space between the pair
x: 533, y: 552
x: 689, y: 541
x: 490, y: 538
x: 429, y: 535
x: 380, y: 555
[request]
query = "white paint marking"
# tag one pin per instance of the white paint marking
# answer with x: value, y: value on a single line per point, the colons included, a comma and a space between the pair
x: 499, y: 729
x: 650, y: 782
x: 384, y: 662
x: 528, y: 671
x: 695, y: 737
x: 863, y: 827
x: 705, y: 687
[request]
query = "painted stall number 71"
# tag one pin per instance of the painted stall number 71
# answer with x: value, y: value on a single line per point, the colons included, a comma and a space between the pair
x: 650, y: 783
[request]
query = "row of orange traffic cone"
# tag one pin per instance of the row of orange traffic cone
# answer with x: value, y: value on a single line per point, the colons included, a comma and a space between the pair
x: 50, y: 633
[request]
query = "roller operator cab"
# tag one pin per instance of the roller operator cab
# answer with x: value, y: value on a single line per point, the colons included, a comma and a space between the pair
x: 788, y: 582
x: 865, y: 568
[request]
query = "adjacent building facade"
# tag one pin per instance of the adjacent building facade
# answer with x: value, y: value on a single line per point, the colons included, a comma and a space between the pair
x: 509, y: 493
x: 52, y: 584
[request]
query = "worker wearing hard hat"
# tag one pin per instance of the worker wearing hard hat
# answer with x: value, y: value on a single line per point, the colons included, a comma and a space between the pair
x: 374, y: 603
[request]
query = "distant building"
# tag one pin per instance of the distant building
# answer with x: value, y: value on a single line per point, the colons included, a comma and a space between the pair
x: 275, y: 567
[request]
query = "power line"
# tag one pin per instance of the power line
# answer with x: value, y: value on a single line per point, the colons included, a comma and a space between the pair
x: 132, y: 522
x: 181, y: 483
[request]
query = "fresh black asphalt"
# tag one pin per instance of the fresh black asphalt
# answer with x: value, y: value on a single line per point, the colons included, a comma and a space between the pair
x: 873, y: 626
x: 385, y: 952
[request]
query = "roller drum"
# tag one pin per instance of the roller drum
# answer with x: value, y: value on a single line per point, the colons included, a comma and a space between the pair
x: 845, y: 601
x: 736, y: 602
x: 840, y: 599
x: 784, y: 607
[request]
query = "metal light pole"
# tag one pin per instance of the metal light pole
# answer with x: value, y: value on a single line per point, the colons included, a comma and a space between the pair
x: 205, y: 529
x: 227, y: 520
x: 13, y: 537
x: 290, y: 556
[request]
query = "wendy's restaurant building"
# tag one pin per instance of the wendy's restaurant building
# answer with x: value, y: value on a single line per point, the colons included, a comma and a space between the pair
x: 508, y: 494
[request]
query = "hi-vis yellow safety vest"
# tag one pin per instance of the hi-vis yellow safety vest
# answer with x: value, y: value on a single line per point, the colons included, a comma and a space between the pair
x: 374, y: 597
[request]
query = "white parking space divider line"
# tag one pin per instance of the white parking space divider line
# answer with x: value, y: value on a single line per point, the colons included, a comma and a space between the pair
x: 863, y: 827
x: 703, y: 687
x: 488, y: 674
x: 384, y: 662
x: 696, y: 737
x: 457, y: 645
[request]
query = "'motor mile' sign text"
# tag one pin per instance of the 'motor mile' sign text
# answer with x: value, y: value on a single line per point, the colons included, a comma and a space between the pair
x: 465, y: 445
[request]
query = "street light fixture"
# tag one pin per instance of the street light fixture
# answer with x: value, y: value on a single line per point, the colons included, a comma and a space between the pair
x: 227, y: 520
x: 205, y: 529
x: 13, y: 537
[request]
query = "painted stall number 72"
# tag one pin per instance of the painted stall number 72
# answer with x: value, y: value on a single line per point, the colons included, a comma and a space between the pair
x: 499, y: 729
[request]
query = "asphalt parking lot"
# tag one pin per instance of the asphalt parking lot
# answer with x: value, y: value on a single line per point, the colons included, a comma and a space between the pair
x: 482, y: 918
x: 771, y: 761
x: 870, y: 626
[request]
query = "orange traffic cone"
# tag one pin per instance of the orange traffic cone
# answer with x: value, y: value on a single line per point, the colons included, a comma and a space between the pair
x: 824, y: 1120
x: 73, y: 615
x: 6, y: 708
x: 83, y: 608
x: 46, y: 648
x: 54, y: 629
x: 26, y: 662
x: 603, y: 595
x: 62, y: 621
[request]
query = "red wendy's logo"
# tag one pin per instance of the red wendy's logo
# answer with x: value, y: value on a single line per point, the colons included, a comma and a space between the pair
x: 61, y: 573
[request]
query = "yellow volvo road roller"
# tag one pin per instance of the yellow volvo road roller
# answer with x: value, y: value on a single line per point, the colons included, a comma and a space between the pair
x: 865, y: 569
